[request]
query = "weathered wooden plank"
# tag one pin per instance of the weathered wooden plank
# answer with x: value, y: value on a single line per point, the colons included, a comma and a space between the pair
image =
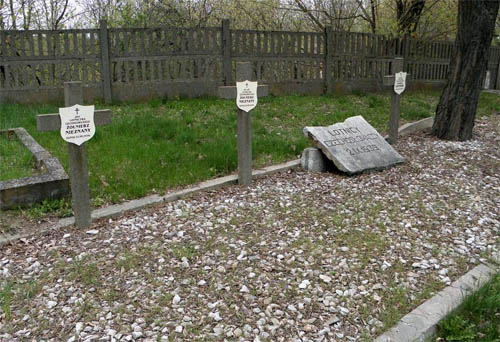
x: 155, y: 66
x: 15, y: 73
x: 283, y: 44
x: 345, y: 43
x: 126, y: 68
x: 318, y: 44
x: 308, y: 44
x: 135, y: 74
x: 142, y: 42
x: 124, y: 49
x: 292, y: 44
x: 76, y: 49
x: 200, y: 70
x: 53, y: 45
x: 92, y: 48
x: 162, y: 70
x: 136, y: 42
x: 149, y: 43
x: 245, y: 43
x: 117, y: 72
x: 183, y: 69
x: 22, y: 48
x: 40, y: 44
x: 356, y: 44
x: 3, y: 42
x: 66, y: 44
x: 266, y: 44
x: 84, y: 52
x: 12, y: 43
x: 143, y: 70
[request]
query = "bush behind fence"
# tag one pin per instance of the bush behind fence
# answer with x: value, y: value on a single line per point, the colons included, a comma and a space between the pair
x: 134, y: 63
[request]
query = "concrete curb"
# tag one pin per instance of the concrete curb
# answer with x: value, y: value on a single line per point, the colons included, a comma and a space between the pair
x: 416, y: 126
x: 118, y: 209
x: 413, y: 127
x: 420, y: 324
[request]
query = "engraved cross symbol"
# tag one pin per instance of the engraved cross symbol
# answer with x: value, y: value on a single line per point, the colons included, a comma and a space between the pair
x: 77, y: 110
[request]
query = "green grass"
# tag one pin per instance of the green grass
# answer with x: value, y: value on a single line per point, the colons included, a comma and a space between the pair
x: 16, y: 161
x: 477, y: 319
x: 163, y: 144
x: 16, y: 291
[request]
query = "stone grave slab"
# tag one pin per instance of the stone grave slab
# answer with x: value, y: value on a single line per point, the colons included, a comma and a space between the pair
x: 354, y: 146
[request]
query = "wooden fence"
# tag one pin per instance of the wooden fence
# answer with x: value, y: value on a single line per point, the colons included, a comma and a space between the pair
x: 133, y: 64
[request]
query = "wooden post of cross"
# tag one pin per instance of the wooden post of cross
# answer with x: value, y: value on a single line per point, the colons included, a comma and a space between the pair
x: 397, y: 66
x: 79, y: 175
x: 243, y: 73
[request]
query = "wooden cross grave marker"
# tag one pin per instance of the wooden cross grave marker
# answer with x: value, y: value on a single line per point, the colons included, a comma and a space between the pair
x: 79, y: 174
x: 243, y: 73
x: 397, y: 67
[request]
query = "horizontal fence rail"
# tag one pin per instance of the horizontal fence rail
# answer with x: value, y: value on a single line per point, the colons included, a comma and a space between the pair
x: 138, y: 63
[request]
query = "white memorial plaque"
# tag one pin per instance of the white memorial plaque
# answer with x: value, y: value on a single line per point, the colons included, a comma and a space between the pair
x: 246, y: 98
x: 400, y: 82
x: 77, y: 123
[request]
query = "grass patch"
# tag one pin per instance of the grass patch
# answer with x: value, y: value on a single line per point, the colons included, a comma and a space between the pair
x: 16, y: 161
x: 160, y: 145
x: 60, y: 208
x: 16, y: 292
x: 476, y: 319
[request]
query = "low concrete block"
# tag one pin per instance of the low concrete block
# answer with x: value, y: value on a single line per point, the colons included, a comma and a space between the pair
x: 314, y: 160
x: 24, y: 192
x: 417, y: 126
x: 420, y: 324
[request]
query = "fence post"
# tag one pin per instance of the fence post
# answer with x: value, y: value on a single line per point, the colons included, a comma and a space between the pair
x: 497, y: 85
x: 2, y: 60
x: 227, y: 67
x: 406, y: 52
x: 105, y: 65
x: 327, y: 77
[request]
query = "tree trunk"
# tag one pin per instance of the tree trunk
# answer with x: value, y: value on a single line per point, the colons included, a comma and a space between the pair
x: 456, y: 111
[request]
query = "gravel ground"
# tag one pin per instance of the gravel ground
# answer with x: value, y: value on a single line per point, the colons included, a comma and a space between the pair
x: 294, y: 257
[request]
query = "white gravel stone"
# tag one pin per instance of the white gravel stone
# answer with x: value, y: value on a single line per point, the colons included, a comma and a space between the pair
x: 51, y: 304
x: 304, y: 284
x: 325, y: 278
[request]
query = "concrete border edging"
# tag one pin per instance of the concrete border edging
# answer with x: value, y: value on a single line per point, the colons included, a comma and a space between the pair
x: 53, y: 183
x: 413, y: 127
x: 118, y: 209
x: 420, y: 324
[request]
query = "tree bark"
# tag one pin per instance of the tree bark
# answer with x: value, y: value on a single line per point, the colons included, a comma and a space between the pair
x: 456, y: 111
